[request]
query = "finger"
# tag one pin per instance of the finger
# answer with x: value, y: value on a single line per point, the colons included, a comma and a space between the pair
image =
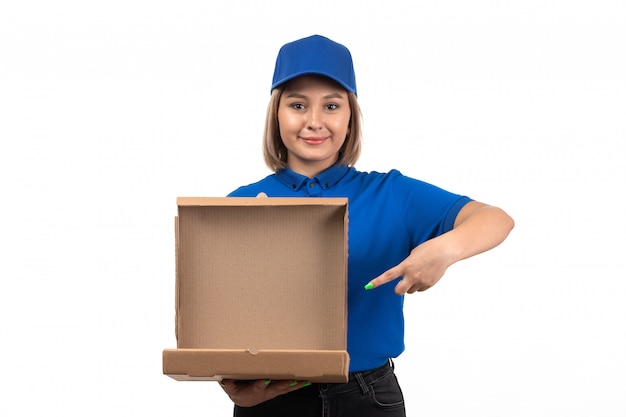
x: 226, y: 383
x: 287, y: 386
x: 403, y: 287
x: 232, y: 386
x: 384, y: 278
x: 262, y: 384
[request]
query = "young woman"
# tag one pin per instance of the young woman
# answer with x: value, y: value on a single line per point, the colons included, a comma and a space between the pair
x: 403, y: 233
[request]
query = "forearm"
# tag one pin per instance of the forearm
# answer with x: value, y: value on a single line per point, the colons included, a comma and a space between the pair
x: 478, y: 228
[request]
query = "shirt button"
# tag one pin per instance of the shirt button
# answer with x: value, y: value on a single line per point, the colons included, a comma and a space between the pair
x: 293, y: 186
x: 312, y: 185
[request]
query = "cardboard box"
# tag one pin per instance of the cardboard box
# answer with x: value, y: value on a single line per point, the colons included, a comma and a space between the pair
x: 261, y: 289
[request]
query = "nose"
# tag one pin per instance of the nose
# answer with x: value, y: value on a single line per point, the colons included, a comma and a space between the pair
x: 314, y: 121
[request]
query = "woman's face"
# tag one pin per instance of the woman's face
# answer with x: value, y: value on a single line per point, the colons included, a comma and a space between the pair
x: 313, y: 119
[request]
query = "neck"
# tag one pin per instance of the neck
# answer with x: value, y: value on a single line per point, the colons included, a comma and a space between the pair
x: 310, y: 170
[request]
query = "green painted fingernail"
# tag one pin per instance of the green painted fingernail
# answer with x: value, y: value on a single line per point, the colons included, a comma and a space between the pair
x: 369, y: 286
x: 269, y: 381
x: 293, y: 384
x: 306, y: 384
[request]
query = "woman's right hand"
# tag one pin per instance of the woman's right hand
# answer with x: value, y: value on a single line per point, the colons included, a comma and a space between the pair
x: 249, y: 394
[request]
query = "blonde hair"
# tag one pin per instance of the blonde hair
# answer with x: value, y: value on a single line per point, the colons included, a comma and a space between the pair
x: 275, y: 152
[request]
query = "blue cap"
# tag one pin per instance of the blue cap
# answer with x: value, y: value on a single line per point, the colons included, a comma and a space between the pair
x: 315, y: 55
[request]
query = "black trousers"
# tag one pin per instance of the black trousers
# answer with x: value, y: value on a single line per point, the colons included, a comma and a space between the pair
x: 374, y: 393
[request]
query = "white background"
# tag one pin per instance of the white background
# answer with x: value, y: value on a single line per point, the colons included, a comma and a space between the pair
x: 110, y: 110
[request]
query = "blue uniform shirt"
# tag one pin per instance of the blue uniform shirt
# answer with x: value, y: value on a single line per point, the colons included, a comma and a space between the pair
x: 389, y: 214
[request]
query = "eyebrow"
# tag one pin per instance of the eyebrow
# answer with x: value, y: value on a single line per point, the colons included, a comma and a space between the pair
x: 332, y: 95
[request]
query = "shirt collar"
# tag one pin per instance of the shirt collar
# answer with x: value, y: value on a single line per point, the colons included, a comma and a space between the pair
x: 326, y: 179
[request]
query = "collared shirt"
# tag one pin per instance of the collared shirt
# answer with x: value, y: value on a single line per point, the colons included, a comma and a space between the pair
x: 389, y: 214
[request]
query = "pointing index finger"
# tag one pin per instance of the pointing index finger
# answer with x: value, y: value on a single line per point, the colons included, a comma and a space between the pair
x: 382, y: 279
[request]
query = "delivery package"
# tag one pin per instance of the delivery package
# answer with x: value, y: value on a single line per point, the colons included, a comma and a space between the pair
x: 261, y: 289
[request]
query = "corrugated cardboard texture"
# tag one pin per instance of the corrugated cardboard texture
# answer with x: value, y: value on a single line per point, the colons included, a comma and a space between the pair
x: 257, y: 277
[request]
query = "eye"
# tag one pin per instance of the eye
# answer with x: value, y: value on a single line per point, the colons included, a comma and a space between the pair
x: 297, y: 106
x: 332, y: 106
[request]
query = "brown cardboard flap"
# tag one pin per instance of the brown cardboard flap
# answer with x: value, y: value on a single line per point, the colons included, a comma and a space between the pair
x: 214, y: 365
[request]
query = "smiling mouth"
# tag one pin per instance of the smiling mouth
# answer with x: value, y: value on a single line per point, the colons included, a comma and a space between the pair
x: 314, y: 141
